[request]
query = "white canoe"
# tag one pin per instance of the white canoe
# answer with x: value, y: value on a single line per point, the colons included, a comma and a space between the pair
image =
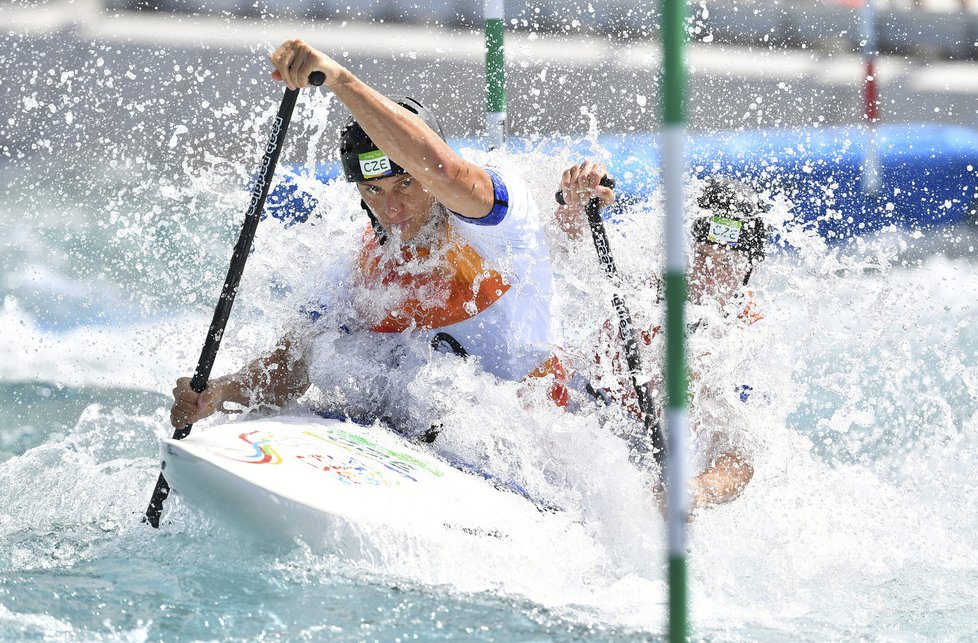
x: 359, y: 490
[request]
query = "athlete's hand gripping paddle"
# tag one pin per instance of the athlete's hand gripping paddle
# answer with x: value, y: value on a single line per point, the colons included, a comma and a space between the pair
x: 625, y: 327
x: 259, y: 192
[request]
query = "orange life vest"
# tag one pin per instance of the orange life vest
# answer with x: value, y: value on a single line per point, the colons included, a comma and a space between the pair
x: 465, y: 286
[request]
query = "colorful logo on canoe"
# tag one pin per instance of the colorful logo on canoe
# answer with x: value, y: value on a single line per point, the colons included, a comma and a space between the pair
x: 347, y: 470
x: 361, y: 466
x: 361, y: 461
x: 263, y: 453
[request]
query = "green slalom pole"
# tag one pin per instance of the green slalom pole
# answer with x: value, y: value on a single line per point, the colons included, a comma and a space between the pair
x: 673, y: 170
x: 495, y: 74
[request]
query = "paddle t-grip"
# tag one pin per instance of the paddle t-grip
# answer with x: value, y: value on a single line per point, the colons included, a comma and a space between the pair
x: 606, y: 181
x: 317, y: 78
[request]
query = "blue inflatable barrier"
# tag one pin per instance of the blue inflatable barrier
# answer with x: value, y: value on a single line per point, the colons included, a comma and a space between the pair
x: 290, y: 203
x: 928, y: 173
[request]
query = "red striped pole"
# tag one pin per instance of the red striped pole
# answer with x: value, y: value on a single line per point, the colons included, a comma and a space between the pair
x: 871, y: 162
x: 871, y: 108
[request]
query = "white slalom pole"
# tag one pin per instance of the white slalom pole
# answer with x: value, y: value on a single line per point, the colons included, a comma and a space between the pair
x: 677, y: 494
x: 673, y: 170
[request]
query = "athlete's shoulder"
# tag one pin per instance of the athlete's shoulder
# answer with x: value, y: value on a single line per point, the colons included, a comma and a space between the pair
x: 509, y: 199
x: 507, y: 171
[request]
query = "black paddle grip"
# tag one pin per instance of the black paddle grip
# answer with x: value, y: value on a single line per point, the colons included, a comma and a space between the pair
x: 606, y: 181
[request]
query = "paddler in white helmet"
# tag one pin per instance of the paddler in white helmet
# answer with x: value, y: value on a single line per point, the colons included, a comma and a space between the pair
x: 729, y: 240
x: 454, y: 258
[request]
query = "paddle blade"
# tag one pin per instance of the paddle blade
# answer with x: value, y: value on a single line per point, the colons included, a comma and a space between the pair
x: 155, y: 509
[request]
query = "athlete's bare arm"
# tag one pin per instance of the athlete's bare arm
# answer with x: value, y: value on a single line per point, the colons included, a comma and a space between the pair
x: 271, y: 380
x: 457, y: 184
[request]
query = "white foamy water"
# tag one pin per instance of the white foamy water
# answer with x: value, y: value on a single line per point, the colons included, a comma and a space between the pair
x: 862, y: 428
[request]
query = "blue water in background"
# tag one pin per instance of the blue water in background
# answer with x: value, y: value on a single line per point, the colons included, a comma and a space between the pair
x: 860, y: 521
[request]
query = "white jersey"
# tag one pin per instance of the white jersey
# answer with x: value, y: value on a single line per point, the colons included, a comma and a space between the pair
x: 486, y: 292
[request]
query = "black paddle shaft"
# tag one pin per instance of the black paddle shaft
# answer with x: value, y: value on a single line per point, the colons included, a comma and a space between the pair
x: 259, y: 192
x: 625, y: 327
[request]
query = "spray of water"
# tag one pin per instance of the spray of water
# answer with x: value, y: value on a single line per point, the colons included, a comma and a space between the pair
x: 862, y: 426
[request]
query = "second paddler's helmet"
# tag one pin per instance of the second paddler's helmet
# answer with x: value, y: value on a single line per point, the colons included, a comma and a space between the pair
x: 362, y: 160
x: 733, y: 219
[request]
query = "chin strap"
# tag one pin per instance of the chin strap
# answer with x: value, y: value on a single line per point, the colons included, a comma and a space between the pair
x: 379, y: 231
x: 750, y: 271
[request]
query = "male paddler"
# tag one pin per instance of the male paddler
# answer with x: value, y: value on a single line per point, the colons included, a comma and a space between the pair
x: 729, y: 239
x: 454, y: 258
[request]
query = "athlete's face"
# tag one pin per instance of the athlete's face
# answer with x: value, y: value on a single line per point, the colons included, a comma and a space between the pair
x: 400, y: 203
x: 717, y: 273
